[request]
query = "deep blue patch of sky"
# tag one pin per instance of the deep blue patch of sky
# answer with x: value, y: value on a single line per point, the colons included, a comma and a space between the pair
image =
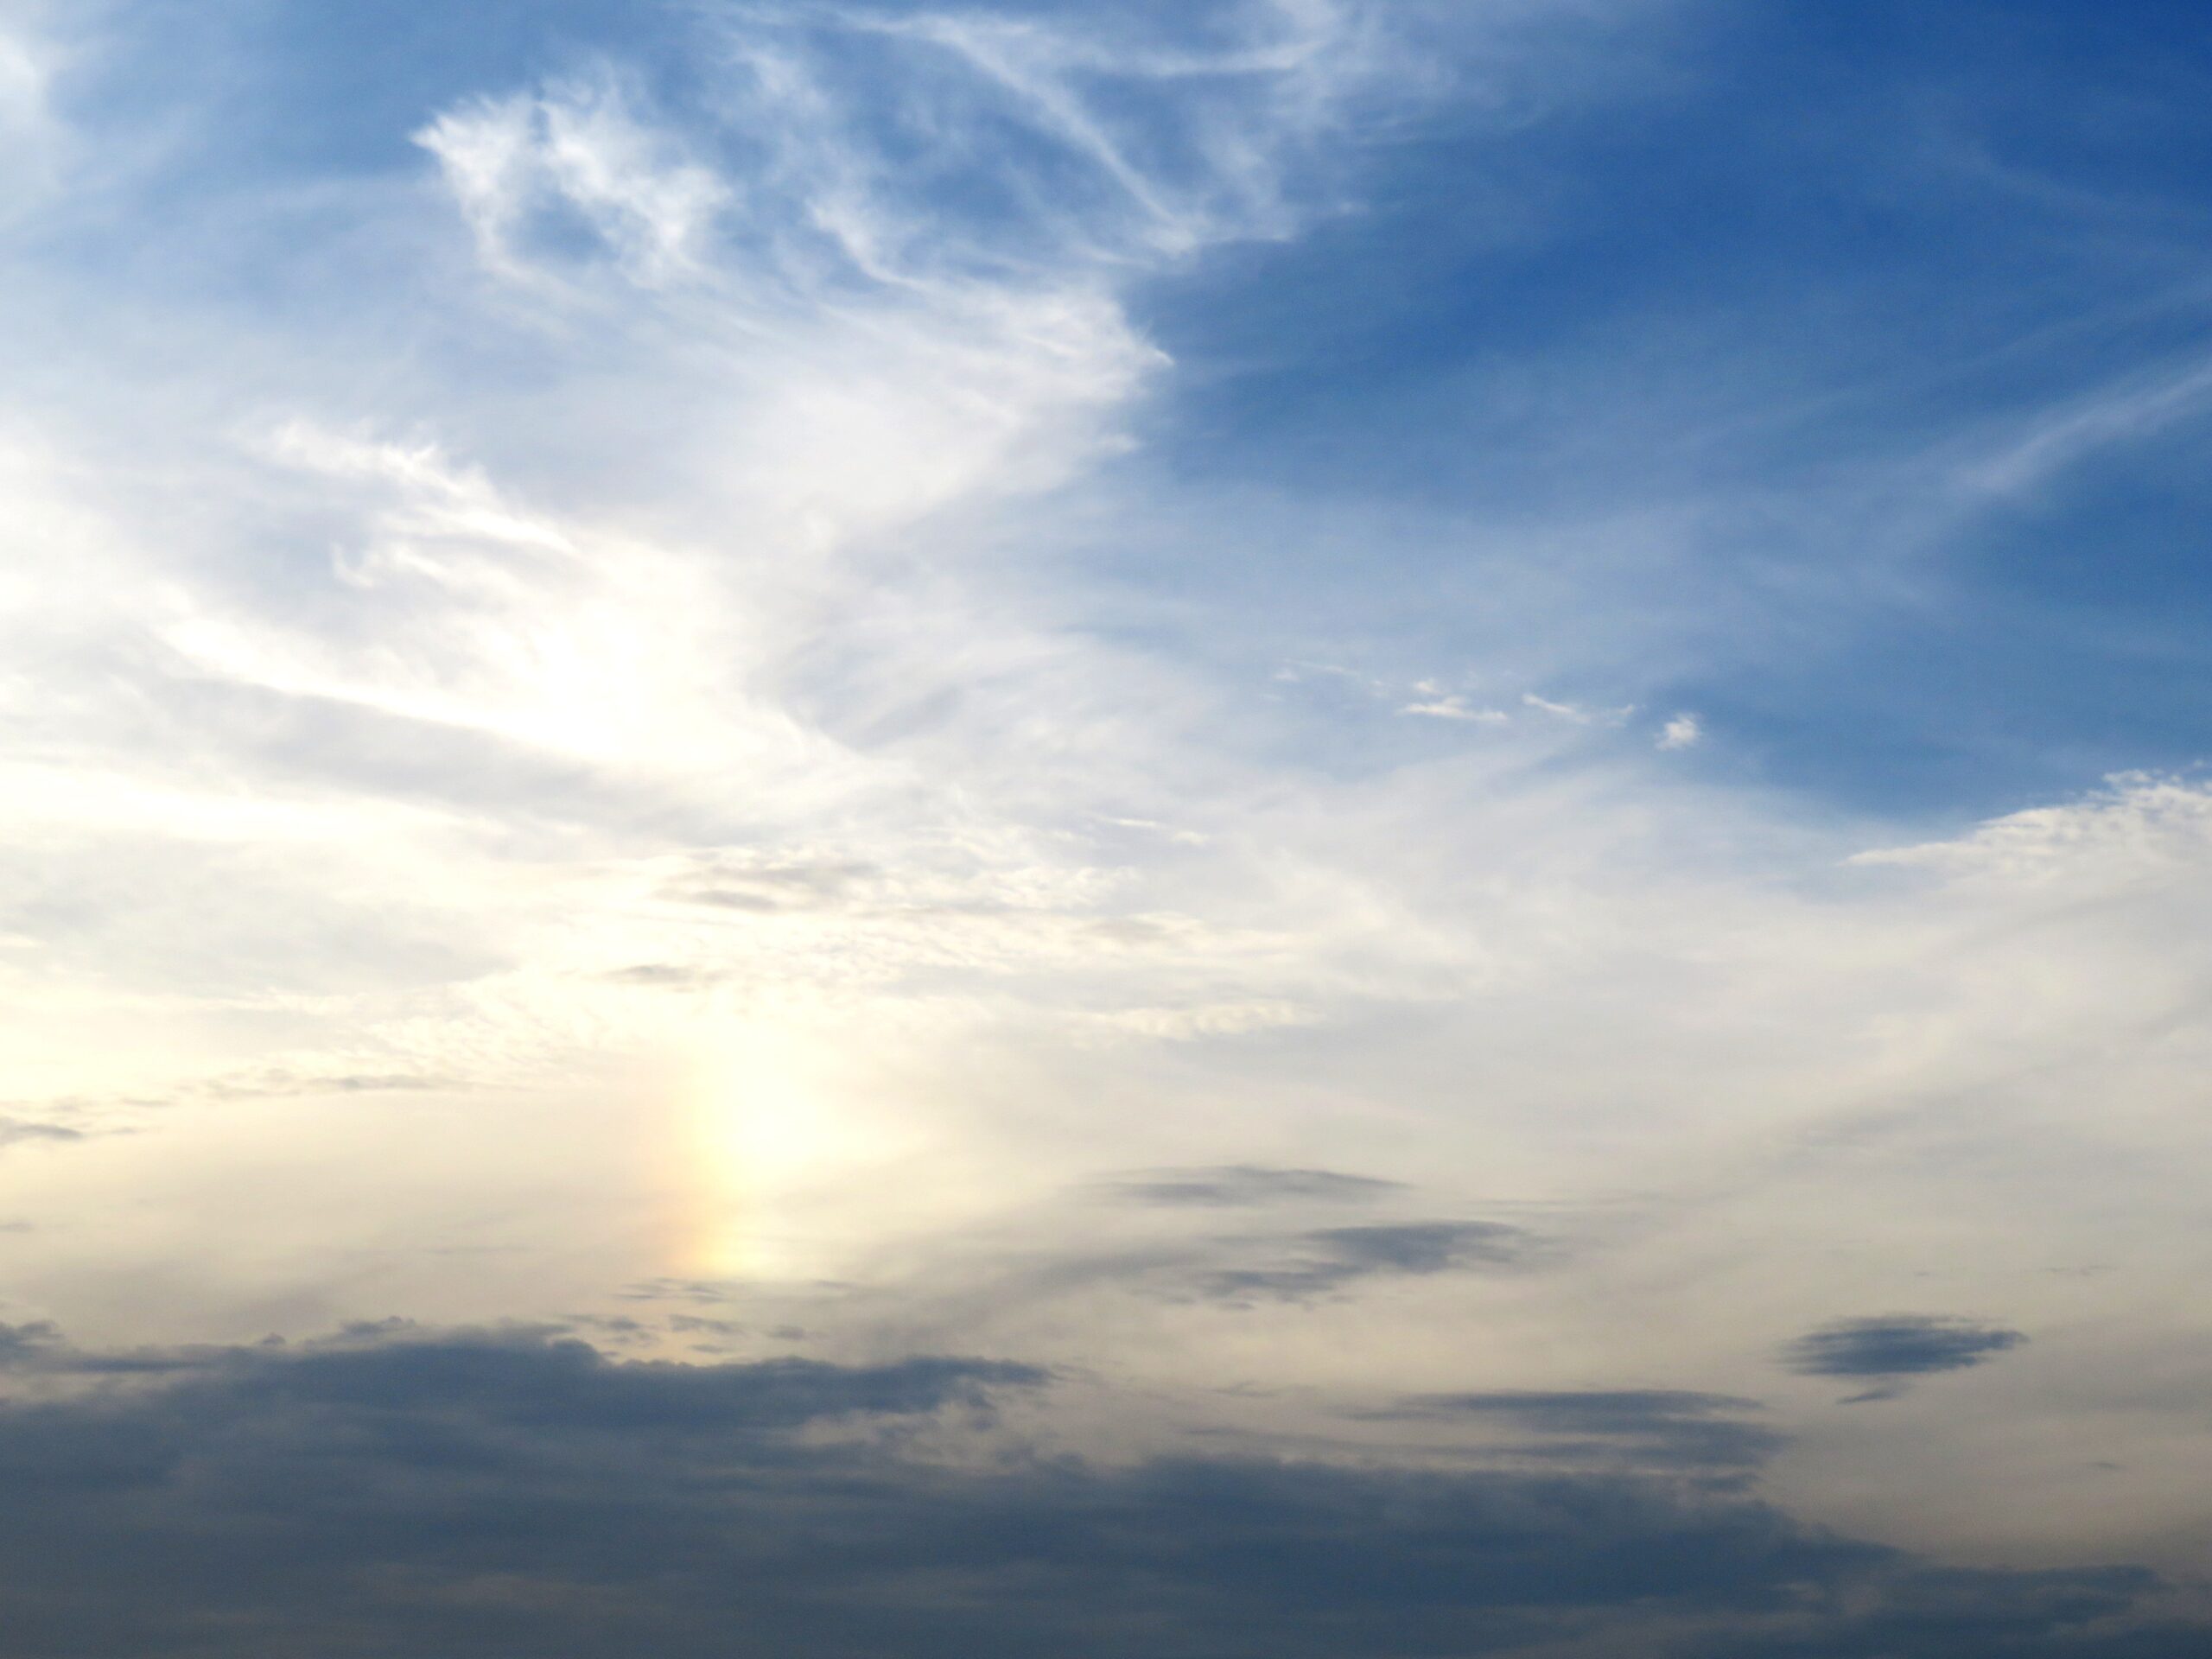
x: 1784, y: 291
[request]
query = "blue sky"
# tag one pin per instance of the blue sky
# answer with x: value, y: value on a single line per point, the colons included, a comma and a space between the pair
x: 1270, y: 827
x: 1769, y: 285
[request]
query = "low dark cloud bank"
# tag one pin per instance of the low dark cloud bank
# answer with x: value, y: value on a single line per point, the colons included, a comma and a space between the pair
x: 445, y: 1496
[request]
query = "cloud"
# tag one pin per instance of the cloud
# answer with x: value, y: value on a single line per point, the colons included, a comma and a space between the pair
x: 1897, y: 1345
x: 1330, y: 1261
x: 607, y: 555
x: 1654, y: 1426
x: 29, y: 134
x: 720, y: 686
x: 512, y: 163
x: 1238, y: 1185
x: 2139, y: 825
x: 24, y: 1344
x: 1149, y: 138
x: 1158, y: 1262
x: 397, y: 1490
x: 780, y: 883
x: 1456, y: 708
x: 2109, y: 415
x: 1682, y: 731
x: 17, y: 1132
x: 702, y: 1292
x: 445, y: 714
x: 663, y: 974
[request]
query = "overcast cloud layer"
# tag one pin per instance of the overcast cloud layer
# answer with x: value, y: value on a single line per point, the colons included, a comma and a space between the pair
x: 1337, y: 827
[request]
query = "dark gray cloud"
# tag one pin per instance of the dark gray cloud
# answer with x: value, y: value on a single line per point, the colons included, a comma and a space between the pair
x: 1654, y: 1426
x: 27, y: 1344
x: 1896, y: 1345
x: 39, y: 1348
x: 475, y: 1496
x: 1233, y: 1185
x: 1330, y: 1260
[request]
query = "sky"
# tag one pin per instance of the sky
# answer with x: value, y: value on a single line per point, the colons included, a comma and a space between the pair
x: 1233, y: 830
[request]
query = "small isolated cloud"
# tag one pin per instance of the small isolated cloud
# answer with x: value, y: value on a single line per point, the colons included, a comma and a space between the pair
x: 1682, y: 731
x: 1574, y: 713
x: 1891, y: 1347
x: 515, y: 164
x: 1233, y: 1185
x: 770, y: 886
x: 1455, y: 708
x: 1559, y: 710
x: 668, y: 975
x: 15, y: 1132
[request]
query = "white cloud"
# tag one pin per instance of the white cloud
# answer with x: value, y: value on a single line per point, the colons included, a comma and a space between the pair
x: 1456, y: 708
x: 508, y: 160
x: 1211, y: 156
x: 1682, y: 731
x: 2109, y: 415
x: 22, y: 86
x: 1566, y: 711
x: 480, y: 712
x: 2141, y: 828
x: 1575, y: 713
